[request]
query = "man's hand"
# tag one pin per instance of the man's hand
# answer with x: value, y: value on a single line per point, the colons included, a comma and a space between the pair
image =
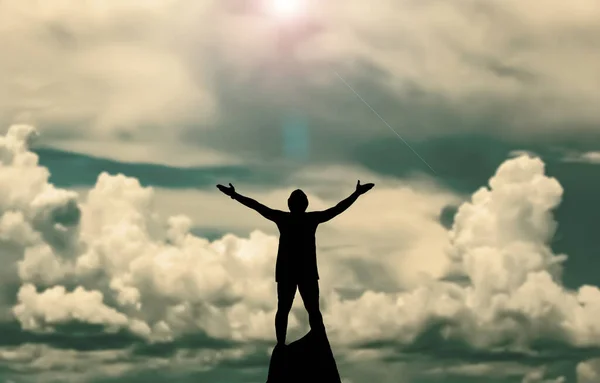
x: 230, y: 191
x: 362, y: 189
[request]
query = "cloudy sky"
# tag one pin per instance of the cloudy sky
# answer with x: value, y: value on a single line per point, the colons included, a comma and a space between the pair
x: 123, y: 263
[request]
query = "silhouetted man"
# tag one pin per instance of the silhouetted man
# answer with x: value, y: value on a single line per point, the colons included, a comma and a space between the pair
x: 297, y: 256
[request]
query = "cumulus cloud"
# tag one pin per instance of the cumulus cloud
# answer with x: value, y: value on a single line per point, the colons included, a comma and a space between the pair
x: 134, y: 271
x: 110, y: 261
x: 54, y: 306
x: 588, y: 371
x: 389, y: 241
x: 509, y: 295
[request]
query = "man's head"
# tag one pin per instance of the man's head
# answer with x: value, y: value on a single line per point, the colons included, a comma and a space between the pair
x: 298, y: 202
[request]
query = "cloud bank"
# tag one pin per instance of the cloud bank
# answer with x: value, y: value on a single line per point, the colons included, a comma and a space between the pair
x: 111, y: 263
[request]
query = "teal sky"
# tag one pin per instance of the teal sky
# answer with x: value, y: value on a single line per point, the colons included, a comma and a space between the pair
x: 124, y: 263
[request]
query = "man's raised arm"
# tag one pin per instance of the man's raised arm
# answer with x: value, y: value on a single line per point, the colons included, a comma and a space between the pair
x: 263, y: 210
x: 326, y: 215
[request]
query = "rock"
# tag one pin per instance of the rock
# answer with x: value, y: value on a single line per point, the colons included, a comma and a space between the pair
x: 308, y: 359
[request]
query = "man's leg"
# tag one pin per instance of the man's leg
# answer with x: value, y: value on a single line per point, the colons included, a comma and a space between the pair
x: 285, y: 298
x: 309, y: 291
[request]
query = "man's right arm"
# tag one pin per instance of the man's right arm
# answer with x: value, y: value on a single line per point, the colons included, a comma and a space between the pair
x: 267, y: 212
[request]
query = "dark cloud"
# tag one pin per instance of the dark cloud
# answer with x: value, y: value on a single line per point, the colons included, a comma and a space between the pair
x: 77, y: 170
x: 195, y: 341
x: 73, y: 336
x: 431, y: 345
x: 217, y: 374
x: 339, y: 123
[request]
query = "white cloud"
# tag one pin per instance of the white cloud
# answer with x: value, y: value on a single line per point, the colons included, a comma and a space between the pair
x: 135, y: 270
x: 499, y: 242
x: 587, y: 157
x: 539, y: 376
x: 403, y: 224
x: 481, y: 370
x: 588, y: 371
x: 519, y: 153
x: 54, y: 306
x: 163, y: 280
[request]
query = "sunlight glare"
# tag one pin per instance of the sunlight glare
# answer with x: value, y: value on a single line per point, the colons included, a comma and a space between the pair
x: 285, y: 9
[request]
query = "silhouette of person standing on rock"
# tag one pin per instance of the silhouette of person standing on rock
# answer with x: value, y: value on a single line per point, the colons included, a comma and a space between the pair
x: 297, y: 256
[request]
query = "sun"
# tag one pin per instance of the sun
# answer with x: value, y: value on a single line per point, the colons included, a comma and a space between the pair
x: 286, y: 9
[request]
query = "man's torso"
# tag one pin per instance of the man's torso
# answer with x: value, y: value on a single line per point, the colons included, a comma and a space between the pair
x: 297, y: 255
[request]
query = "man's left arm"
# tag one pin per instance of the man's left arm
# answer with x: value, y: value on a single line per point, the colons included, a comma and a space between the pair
x: 326, y: 215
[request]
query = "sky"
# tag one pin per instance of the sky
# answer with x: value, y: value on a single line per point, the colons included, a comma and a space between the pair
x: 475, y: 257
